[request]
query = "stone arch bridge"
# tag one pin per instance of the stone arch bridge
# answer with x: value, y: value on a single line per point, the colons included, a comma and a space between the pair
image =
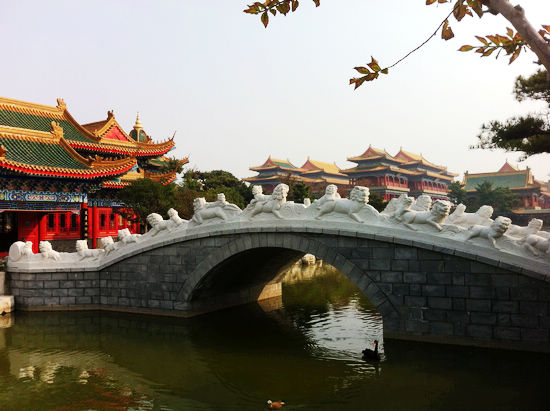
x: 426, y: 286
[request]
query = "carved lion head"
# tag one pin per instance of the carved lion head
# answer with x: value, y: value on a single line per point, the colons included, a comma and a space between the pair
x: 105, y: 241
x: 460, y: 209
x: 360, y: 194
x: 500, y: 225
x: 199, y: 203
x: 45, y: 246
x: 440, y: 208
x: 256, y: 190
x: 485, y: 211
x: 153, y: 219
x: 535, y: 223
x: 125, y: 232
x: 280, y: 192
x: 331, y: 190
x: 81, y: 245
x: 172, y: 213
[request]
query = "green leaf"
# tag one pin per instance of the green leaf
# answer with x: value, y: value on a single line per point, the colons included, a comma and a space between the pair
x: 362, y: 70
x: 384, y: 71
x: 482, y: 39
x: 466, y: 47
x: 374, y: 65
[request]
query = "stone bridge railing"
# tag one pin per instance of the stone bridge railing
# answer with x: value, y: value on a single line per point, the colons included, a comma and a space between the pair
x: 462, y: 276
x: 522, y: 249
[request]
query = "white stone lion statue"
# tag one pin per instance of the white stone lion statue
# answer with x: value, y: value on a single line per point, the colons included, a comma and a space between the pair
x: 174, y: 217
x: 108, y: 244
x: 533, y: 227
x: 536, y: 244
x: 273, y: 204
x: 47, y: 252
x: 257, y: 192
x: 332, y: 203
x: 394, y: 204
x: 84, y: 252
x: 158, y: 224
x: 217, y: 209
x: 434, y: 217
x: 125, y: 237
x: 492, y: 232
x: 331, y: 194
x: 481, y: 217
x: 20, y: 249
x: 422, y: 203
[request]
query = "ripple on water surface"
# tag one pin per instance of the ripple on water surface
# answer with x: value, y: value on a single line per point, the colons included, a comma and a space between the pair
x: 305, y: 350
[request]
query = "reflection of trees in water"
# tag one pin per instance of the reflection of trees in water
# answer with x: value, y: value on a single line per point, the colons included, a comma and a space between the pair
x: 320, y: 288
x: 238, y: 356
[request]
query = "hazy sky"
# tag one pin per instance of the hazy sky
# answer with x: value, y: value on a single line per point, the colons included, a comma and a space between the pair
x: 236, y: 92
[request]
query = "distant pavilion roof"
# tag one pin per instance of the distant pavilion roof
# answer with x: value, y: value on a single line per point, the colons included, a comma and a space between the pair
x: 511, y: 177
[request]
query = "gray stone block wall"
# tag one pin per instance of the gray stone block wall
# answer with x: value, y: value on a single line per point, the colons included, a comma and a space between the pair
x: 420, y: 293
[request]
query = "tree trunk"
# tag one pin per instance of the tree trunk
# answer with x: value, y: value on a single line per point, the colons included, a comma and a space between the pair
x: 516, y: 16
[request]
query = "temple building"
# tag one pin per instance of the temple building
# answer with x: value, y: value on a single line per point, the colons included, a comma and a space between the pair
x: 405, y: 173
x: 534, y: 195
x: 58, y: 178
x: 316, y: 174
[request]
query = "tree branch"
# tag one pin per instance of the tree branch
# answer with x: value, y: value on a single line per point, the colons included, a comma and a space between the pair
x: 516, y: 16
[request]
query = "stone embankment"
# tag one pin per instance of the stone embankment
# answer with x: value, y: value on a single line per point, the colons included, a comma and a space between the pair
x: 6, y: 301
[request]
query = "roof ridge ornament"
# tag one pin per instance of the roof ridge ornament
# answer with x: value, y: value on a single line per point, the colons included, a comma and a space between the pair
x: 138, y: 125
x: 3, y: 151
x: 61, y: 104
x: 57, y: 130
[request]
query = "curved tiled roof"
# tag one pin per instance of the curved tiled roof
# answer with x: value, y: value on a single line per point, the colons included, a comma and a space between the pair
x: 90, y: 137
x: 45, y: 154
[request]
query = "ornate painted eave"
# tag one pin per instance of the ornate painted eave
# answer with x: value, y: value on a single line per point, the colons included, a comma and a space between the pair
x: 22, y: 114
x: 19, y: 147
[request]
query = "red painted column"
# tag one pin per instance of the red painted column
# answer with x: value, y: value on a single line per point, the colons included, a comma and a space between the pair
x: 95, y: 225
x: 42, y: 224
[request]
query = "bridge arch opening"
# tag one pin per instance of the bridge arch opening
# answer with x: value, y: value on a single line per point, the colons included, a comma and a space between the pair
x: 246, y: 268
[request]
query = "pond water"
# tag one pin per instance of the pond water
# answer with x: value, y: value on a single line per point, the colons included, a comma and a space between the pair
x: 305, y: 349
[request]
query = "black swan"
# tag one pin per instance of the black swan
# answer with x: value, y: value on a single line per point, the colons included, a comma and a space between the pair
x: 369, y: 354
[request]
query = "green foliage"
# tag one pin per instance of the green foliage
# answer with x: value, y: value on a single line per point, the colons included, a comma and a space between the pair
x: 172, y: 164
x: 146, y: 196
x: 457, y: 193
x: 299, y: 191
x: 500, y: 198
x: 185, y: 201
x: 209, y: 184
x: 209, y: 180
x: 529, y: 134
x: 377, y: 201
x: 512, y: 44
x: 534, y: 87
x: 231, y: 194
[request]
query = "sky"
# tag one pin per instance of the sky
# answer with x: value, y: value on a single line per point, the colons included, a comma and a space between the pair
x: 236, y: 92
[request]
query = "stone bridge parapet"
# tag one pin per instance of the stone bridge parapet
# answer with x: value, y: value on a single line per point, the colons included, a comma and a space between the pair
x: 429, y: 280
